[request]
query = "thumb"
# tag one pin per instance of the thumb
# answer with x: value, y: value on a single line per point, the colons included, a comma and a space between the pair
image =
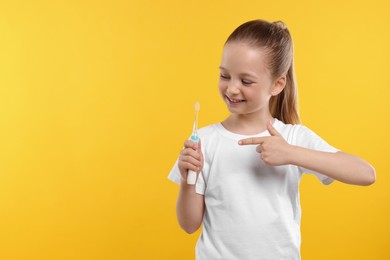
x: 271, y: 129
x: 200, y: 152
x: 199, y: 145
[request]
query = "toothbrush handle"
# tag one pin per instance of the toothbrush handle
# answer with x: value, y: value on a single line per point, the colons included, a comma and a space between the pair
x: 191, y: 175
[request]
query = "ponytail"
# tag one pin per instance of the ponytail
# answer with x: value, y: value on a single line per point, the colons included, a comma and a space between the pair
x: 284, y: 106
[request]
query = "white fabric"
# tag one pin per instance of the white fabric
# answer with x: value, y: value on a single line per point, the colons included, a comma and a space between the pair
x: 252, y: 210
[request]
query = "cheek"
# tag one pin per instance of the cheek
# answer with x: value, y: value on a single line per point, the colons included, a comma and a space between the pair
x: 222, y: 86
x: 258, y: 95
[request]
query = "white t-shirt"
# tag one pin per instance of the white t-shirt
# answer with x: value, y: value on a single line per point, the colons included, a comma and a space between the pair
x: 252, y: 210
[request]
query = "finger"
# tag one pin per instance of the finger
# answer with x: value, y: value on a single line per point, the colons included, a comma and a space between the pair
x: 190, y: 161
x: 259, y: 149
x: 190, y: 144
x: 190, y: 152
x: 199, y: 150
x: 251, y: 140
x: 186, y: 166
x: 272, y: 130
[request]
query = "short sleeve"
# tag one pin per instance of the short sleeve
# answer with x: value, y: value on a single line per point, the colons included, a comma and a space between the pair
x: 308, y: 139
x: 174, y: 176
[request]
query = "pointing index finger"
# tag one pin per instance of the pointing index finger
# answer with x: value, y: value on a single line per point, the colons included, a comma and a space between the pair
x: 251, y: 141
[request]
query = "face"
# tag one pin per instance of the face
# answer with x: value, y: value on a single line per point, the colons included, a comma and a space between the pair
x: 245, y: 83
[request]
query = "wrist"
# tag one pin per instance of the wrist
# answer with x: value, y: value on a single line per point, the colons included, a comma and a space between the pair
x: 292, y: 153
x: 187, y: 188
x: 182, y: 180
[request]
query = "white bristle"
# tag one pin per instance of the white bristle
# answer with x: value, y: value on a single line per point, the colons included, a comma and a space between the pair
x: 197, y: 106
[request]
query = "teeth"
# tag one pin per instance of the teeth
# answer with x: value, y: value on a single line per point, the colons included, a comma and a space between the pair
x: 234, y: 100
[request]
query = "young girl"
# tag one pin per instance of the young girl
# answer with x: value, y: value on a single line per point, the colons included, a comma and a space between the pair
x: 249, y: 166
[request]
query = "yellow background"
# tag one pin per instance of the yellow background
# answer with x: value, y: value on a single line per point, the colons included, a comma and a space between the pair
x: 96, y: 99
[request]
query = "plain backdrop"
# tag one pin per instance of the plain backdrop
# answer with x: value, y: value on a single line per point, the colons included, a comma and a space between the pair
x: 96, y: 99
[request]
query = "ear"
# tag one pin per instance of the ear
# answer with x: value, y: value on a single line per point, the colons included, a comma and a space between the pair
x: 279, y: 85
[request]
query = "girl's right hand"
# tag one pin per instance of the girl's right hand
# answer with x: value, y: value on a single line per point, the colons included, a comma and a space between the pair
x: 191, y: 158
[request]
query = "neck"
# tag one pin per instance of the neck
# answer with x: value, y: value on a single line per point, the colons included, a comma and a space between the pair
x: 247, y: 124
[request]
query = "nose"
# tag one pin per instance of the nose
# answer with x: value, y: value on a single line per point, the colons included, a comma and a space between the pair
x: 232, y: 89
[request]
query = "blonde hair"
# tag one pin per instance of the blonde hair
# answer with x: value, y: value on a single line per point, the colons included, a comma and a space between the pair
x: 277, y: 42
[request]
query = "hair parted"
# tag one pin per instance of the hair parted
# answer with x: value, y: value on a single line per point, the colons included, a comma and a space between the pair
x: 275, y: 39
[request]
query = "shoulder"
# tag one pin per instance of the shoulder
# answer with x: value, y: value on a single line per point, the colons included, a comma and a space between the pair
x: 303, y: 136
x: 290, y: 129
x: 206, y: 129
x: 212, y: 136
x: 207, y: 133
x: 296, y: 133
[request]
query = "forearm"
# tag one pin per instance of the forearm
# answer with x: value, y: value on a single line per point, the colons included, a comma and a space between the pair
x: 189, y: 208
x: 340, y: 166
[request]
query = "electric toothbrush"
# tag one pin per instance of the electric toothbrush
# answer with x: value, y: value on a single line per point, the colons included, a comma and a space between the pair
x: 191, y: 175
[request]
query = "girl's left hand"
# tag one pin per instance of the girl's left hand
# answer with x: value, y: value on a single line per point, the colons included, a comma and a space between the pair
x: 274, y: 150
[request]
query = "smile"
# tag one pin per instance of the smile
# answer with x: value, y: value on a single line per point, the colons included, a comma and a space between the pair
x: 234, y: 101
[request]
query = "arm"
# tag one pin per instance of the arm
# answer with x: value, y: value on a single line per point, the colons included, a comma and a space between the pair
x: 190, y: 205
x: 189, y: 208
x: 340, y: 166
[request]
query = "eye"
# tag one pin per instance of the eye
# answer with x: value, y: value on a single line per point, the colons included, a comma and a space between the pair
x: 246, y: 82
x: 224, y: 77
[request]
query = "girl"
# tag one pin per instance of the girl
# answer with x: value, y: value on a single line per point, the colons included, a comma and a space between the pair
x: 249, y: 166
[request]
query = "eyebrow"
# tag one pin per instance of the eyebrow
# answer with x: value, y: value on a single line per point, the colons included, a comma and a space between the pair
x: 241, y: 74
